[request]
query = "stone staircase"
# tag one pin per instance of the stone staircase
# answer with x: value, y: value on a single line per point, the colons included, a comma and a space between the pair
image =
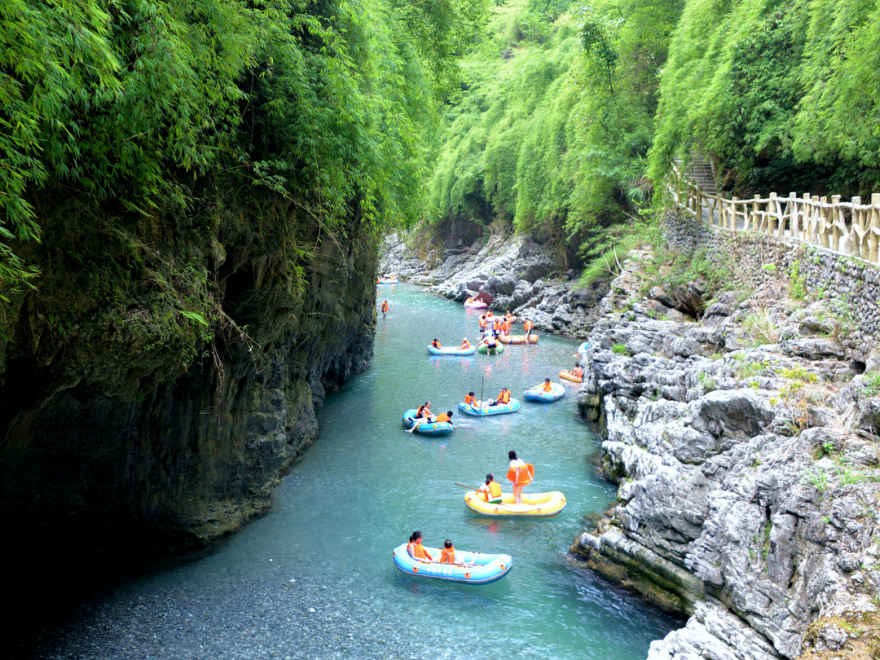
x: 700, y: 172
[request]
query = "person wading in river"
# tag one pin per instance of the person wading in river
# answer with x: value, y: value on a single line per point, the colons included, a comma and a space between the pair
x: 385, y: 308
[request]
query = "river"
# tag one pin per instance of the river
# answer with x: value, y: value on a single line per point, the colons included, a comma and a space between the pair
x: 316, y: 572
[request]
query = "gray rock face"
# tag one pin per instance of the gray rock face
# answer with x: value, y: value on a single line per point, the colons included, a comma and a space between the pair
x: 747, y: 473
x: 519, y: 274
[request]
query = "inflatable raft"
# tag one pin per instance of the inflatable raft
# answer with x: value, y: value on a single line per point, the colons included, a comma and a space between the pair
x: 387, y: 280
x: 426, y: 428
x: 482, y: 348
x: 475, y: 304
x: 583, y: 347
x: 449, y: 350
x: 537, y: 393
x: 470, y: 567
x: 518, y: 339
x: 568, y: 375
x: 536, y: 505
x: 485, y: 411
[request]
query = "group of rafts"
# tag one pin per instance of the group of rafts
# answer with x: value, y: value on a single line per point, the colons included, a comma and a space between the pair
x: 475, y: 567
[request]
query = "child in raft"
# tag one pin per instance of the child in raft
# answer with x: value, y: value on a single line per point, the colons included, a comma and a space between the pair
x: 490, y: 491
x: 465, y: 343
x: 548, y: 386
x: 447, y: 554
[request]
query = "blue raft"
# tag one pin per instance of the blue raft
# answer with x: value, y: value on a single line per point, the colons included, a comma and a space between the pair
x: 513, y: 406
x: 537, y: 393
x: 477, y: 568
x: 426, y: 428
x: 448, y: 350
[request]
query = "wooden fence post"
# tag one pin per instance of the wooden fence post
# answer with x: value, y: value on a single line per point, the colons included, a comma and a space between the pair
x: 873, y: 238
x: 793, y: 223
x: 754, y: 219
x: 732, y: 217
x: 856, y: 228
x: 807, y: 218
x: 771, y: 214
x: 835, y: 227
x: 824, y: 225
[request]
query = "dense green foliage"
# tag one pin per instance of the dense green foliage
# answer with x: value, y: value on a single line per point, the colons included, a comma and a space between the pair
x: 554, y: 126
x: 139, y: 110
x: 782, y: 95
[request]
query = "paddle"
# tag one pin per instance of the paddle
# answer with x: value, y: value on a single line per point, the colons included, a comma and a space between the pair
x: 482, y: 380
x: 463, y: 486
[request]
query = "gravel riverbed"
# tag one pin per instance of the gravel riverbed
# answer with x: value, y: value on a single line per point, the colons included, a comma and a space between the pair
x: 276, y: 615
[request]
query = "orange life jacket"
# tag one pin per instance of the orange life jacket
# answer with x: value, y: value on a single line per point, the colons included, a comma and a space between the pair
x: 505, y: 327
x: 384, y: 306
x: 465, y: 344
x: 521, y: 475
x: 442, y: 417
x: 490, y: 491
x: 504, y: 397
x: 528, y: 326
x: 482, y: 322
x: 470, y: 401
x: 421, y: 412
x: 436, y: 344
x: 447, y: 556
x: 548, y: 387
x: 416, y: 550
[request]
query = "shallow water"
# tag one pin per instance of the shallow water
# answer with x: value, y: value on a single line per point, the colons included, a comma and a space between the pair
x: 366, y: 485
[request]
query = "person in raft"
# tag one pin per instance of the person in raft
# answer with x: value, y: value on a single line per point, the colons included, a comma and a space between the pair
x: 521, y: 474
x: 548, y: 386
x: 503, y: 398
x: 436, y: 344
x: 423, y: 414
x: 470, y: 400
x: 465, y: 343
x: 490, y: 491
x: 415, y: 549
x: 447, y: 554
x: 385, y: 308
x: 444, y: 417
x: 578, y: 371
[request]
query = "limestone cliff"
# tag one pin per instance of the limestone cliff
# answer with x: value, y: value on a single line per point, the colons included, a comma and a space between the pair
x: 745, y: 446
x: 531, y: 275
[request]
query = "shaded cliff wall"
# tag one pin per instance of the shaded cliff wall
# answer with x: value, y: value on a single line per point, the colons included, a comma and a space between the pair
x: 157, y: 382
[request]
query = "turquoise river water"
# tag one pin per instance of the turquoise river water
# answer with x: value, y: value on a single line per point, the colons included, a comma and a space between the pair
x: 365, y: 485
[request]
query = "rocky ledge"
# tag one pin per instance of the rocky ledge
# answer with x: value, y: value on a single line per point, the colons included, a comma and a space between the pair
x: 746, y: 449
x: 521, y: 275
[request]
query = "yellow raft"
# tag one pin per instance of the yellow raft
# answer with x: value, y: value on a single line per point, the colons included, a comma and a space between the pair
x: 536, y: 505
x: 569, y: 375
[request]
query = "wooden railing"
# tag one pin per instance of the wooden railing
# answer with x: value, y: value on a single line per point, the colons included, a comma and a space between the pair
x: 848, y: 227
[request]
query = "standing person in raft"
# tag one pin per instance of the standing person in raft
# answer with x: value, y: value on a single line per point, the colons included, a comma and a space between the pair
x: 521, y: 474
x: 385, y: 308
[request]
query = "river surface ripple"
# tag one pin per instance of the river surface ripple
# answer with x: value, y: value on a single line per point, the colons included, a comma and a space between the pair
x: 314, y: 577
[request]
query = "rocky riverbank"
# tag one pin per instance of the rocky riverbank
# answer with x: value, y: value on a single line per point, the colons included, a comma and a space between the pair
x: 745, y: 445
x: 529, y: 278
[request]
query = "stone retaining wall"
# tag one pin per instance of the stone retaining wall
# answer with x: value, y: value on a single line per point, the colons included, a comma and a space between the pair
x: 853, y: 284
